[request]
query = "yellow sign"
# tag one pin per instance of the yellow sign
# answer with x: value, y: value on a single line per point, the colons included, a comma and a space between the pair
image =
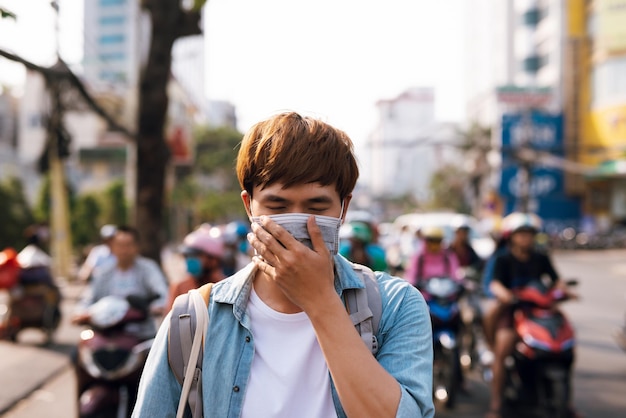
x: 611, y: 15
x: 610, y: 124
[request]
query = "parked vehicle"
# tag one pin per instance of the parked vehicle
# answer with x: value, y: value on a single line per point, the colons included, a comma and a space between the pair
x: 538, y: 374
x: 111, y: 357
x: 442, y: 295
x: 32, y: 299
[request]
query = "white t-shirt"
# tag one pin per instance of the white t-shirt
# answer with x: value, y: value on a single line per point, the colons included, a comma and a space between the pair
x: 289, y: 376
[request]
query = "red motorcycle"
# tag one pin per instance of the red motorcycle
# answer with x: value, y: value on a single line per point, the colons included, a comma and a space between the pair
x: 539, y: 371
x: 111, y: 357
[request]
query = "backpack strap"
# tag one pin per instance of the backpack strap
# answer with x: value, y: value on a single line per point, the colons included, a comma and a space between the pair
x: 365, y: 306
x: 182, y: 333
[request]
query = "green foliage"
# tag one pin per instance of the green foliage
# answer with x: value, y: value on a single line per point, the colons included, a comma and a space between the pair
x: 212, y: 191
x: 42, y: 205
x: 85, y: 220
x: 447, y: 189
x: 216, y: 152
x: 15, y: 214
x: 114, y: 206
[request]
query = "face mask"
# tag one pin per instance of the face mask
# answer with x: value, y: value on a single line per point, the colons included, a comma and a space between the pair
x: 194, y: 266
x: 295, y: 224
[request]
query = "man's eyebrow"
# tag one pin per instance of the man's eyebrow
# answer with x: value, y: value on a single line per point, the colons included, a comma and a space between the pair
x: 272, y: 198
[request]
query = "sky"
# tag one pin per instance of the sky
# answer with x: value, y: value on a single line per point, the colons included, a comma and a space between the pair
x: 332, y: 59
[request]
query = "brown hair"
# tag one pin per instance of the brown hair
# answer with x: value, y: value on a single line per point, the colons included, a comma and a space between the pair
x: 292, y: 149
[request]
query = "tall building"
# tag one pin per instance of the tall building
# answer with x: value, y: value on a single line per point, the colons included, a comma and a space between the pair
x: 406, y: 146
x: 524, y: 99
x: 599, y: 29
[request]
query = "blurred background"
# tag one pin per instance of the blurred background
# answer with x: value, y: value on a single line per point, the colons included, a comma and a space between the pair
x: 130, y: 112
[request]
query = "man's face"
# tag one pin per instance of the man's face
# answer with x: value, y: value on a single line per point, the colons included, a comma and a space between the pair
x: 312, y: 198
x: 124, y: 247
x: 462, y: 235
x: 523, y: 239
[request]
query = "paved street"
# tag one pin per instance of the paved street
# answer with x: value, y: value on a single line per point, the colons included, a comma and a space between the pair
x: 600, y: 369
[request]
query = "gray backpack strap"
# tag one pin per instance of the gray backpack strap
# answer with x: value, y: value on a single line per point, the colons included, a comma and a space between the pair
x: 183, y: 323
x: 365, y: 306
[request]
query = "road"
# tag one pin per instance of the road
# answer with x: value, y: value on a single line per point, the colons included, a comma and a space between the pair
x: 600, y: 368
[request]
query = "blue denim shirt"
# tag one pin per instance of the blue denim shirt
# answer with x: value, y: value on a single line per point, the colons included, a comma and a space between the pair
x: 404, y: 336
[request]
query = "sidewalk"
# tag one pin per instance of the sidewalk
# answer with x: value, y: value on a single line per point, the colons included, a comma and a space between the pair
x: 24, y: 369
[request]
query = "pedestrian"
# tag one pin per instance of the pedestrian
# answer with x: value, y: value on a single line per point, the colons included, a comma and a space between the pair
x: 280, y: 342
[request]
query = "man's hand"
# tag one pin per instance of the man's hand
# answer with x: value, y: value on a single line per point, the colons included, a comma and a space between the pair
x: 305, y: 276
x: 81, y: 318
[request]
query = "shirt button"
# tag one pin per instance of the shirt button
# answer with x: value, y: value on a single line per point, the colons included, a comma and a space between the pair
x: 247, y: 339
x: 236, y: 388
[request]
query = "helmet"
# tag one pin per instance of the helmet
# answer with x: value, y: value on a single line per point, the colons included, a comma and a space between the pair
x: 107, y: 231
x: 519, y: 221
x: 433, y: 232
x: 235, y: 231
x: 361, y: 231
x: 207, y: 239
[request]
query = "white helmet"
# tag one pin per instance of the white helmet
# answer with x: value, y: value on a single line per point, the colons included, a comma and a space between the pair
x: 107, y: 231
x: 519, y: 221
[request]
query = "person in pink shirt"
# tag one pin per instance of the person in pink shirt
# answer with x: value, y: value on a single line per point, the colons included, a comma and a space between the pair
x: 433, y: 259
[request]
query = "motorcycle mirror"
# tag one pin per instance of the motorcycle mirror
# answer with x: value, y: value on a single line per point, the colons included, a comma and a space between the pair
x: 572, y: 282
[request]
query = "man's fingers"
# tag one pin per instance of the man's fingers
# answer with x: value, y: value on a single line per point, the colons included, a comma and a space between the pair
x: 316, y: 234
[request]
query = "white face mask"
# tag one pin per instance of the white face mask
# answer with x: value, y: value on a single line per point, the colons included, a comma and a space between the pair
x: 295, y: 224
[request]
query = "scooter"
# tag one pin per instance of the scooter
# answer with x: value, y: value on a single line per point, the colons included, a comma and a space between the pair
x: 442, y: 295
x: 110, y: 358
x: 538, y: 374
x: 31, y: 299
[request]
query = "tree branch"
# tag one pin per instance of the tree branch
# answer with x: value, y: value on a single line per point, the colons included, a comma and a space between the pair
x: 64, y: 72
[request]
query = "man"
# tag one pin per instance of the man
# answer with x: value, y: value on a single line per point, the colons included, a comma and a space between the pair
x: 203, y: 250
x: 462, y: 247
x: 130, y: 274
x: 280, y: 342
x: 514, y: 268
x: 359, y: 247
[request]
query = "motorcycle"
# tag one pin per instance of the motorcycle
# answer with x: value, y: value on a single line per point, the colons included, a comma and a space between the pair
x: 538, y: 373
x: 442, y: 295
x: 111, y: 357
x: 31, y: 299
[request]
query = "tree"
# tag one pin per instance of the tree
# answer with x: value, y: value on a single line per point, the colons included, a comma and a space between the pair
x: 85, y: 220
x: 113, y: 203
x: 211, y: 193
x: 169, y: 21
x: 447, y: 187
x: 15, y: 213
x: 475, y: 146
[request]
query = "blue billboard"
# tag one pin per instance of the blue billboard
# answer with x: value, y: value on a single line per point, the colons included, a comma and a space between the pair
x: 542, y: 132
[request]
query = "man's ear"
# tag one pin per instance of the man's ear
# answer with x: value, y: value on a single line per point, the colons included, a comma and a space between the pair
x: 346, y: 205
x: 247, y: 201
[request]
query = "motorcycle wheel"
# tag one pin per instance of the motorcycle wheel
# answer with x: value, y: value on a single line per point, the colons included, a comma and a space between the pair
x: 559, y: 399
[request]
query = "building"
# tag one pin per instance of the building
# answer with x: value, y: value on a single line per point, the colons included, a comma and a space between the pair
x: 8, y: 136
x: 525, y: 97
x: 406, y: 146
x: 599, y: 30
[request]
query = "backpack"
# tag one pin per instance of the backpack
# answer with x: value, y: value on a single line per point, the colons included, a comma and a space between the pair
x: 364, y: 306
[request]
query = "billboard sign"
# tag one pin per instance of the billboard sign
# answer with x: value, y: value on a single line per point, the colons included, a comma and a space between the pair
x: 542, y: 132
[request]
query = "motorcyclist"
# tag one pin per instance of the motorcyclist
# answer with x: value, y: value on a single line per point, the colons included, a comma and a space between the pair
x: 462, y: 247
x: 130, y: 275
x: 514, y: 268
x: 99, y: 255
x: 203, y: 250
x: 357, y: 245
x: 433, y: 259
x: 236, y: 248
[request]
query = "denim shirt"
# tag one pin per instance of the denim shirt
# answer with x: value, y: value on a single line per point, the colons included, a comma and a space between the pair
x: 404, y: 337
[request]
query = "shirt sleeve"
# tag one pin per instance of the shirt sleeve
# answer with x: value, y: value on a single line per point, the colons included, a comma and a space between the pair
x: 501, y: 272
x: 406, y: 347
x: 159, y: 390
x: 549, y: 269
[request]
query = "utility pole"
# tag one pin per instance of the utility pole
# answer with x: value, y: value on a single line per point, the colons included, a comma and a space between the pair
x: 60, y: 239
